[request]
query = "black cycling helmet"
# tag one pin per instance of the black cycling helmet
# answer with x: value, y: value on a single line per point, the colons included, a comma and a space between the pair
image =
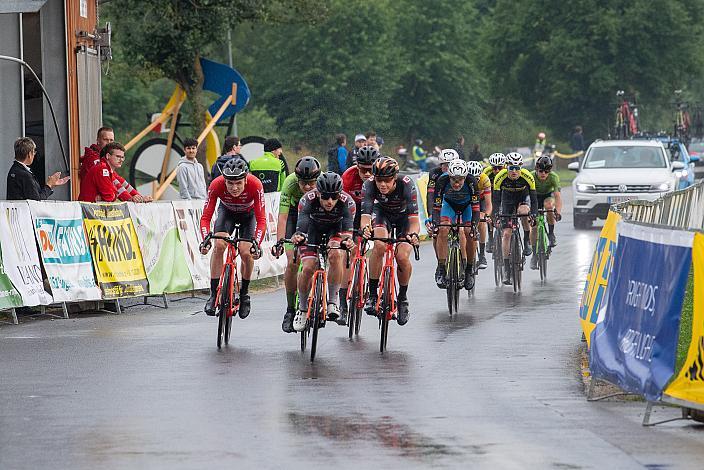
x: 544, y: 163
x: 235, y: 169
x: 329, y: 183
x: 385, y: 167
x: 367, y: 154
x: 307, y: 169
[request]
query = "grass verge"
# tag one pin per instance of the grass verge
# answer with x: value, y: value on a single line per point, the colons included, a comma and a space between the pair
x: 685, y: 336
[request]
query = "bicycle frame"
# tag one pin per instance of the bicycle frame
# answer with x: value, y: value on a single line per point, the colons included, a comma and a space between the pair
x: 360, y: 257
x: 390, y: 263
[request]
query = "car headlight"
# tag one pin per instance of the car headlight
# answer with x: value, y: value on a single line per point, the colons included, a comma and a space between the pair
x: 660, y: 187
x: 586, y: 188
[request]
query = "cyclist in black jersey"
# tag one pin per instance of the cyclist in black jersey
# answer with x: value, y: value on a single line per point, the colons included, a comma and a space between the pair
x: 391, y: 202
x: 446, y: 156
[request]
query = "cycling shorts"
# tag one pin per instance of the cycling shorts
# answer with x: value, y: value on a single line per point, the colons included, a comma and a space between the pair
x: 542, y: 198
x: 398, y: 223
x: 316, y: 233
x: 227, y: 220
x: 450, y: 212
x: 509, y: 207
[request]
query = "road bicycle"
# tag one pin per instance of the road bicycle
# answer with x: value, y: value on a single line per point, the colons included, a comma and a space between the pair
x: 357, y: 289
x: 542, y: 244
x: 316, y: 313
x: 626, y: 121
x: 386, y: 298
x: 515, y: 250
x: 682, y: 119
x: 455, y: 264
x: 227, y: 298
x: 497, y: 255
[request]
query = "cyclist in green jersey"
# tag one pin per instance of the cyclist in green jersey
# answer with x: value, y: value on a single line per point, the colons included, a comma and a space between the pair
x: 547, y: 187
x: 295, y: 185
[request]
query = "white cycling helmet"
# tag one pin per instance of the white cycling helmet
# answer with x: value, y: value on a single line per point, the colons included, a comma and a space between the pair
x: 475, y: 168
x: 497, y: 159
x: 447, y: 155
x: 514, y: 158
x: 458, y: 168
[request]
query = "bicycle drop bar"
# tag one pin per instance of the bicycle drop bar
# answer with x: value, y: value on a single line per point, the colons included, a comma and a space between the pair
x: 416, y: 250
x: 232, y: 241
x: 316, y: 247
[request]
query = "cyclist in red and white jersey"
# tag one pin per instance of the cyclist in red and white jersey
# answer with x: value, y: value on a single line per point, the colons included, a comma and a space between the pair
x: 241, y: 197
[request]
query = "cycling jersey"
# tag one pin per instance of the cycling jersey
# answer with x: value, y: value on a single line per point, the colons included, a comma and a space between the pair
x: 433, y: 177
x: 251, y: 200
x: 549, y: 186
x: 271, y: 170
x: 291, y: 193
x: 484, y: 185
x: 352, y: 184
x: 508, y: 193
x: 490, y: 173
x: 448, y: 200
x: 312, y: 214
x: 401, y: 202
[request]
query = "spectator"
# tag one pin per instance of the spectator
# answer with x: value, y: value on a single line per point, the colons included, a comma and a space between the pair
x: 269, y: 168
x: 230, y: 149
x: 21, y: 183
x: 360, y: 140
x: 577, y: 140
x: 371, y: 139
x: 419, y: 155
x: 475, y: 154
x: 91, y: 157
x: 379, y: 142
x: 190, y: 173
x: 459, y: 147
x: 100, y: 181
x: 338, y: 154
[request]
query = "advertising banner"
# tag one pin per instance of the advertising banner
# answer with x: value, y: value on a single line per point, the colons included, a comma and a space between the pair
x: 268, y: 265
x: 160, y: 245
x: 62, y: 242
x: 19, y: 253
x: 188, y: 215
x: 598, y: 278
x: 634, y: 346
x: 9, y: 296
x: 689, y: 384
x: 115, y: 250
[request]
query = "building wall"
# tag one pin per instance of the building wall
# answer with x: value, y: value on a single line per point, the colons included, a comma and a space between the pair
x: 11, y: 120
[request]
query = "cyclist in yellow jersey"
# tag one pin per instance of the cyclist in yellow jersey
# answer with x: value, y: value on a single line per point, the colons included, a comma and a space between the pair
x: 485, y: 207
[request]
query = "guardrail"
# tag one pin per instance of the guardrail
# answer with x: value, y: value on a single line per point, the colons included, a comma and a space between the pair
x: 683, y: 209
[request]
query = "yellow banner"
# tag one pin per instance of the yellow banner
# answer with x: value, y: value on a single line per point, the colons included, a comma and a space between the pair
x: 689, y: 384
x: 598, y: 277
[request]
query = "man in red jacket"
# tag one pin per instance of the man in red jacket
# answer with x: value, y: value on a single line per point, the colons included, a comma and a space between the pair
x: 101, y: 181
x: 91, y: 157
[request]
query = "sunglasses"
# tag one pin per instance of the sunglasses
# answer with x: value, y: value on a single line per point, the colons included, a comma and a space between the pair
x: 514, y: 168
x: 384, y: 179
x: 364, y: 169
x: 326, y: 196
x: 457, y: 179
x: 497, y: 168
x: 543, y: 171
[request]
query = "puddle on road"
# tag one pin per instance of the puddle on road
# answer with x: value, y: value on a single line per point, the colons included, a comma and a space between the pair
x: 385, y: 431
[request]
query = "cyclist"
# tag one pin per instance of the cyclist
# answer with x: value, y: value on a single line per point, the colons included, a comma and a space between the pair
x: 475, y: 169
x: 241, y: 202
x: 446, y: 156
x: 392, y: 200
x: 459, y: 194
x: 295, y: 186
x: 352, y: 182
x: 497, y: 162
x: 326, y: 210
x: 547, y: 187
x: 514, y: 193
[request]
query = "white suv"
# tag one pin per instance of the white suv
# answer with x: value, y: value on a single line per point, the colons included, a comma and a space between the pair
x: 615, y: 171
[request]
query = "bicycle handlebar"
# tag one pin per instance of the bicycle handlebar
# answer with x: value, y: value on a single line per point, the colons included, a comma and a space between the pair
x: 254, y: 249
x: 392, y: 241
x: 316, y: 247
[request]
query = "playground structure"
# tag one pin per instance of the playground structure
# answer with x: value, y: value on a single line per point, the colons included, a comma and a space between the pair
x: 153, y: 167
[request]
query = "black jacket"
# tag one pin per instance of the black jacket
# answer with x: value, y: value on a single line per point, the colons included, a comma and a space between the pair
x: 220, y: 162
x: 22, y: 185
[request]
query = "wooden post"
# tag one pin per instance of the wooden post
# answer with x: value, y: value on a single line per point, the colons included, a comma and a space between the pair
x: 162, y: 187
x: 164, y: 116
x: 169, y: 142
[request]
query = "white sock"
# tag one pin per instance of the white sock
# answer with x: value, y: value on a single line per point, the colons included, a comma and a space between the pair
x: 334, y: 294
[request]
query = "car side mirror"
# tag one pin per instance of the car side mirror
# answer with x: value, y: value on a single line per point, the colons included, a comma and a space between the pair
x: 574, y: 166
x: 677, y: 166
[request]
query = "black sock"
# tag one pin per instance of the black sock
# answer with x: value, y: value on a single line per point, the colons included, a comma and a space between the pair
x: 507, y: 263
x: 402, y: 291
x: 373, y: 286
x: 343, y: 294
x: 214, y: 286
x: 482, y: 247
x: 291, y: 300
x: 551, y: 229
x: 526, y: 238
x: 244, y: 288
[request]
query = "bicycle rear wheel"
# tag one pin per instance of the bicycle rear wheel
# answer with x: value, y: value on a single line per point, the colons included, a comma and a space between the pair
x: 516, y: 260
x: 316, y: 314
x: 224, y: 307
x: 385, y: 309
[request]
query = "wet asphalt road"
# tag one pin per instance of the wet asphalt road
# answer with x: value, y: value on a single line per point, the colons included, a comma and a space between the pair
x: 498, y: 386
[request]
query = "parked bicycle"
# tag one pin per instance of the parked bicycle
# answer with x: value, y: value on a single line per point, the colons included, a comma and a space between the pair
x: 227, y: 301
x: 626, y: 120
x: 682, y: 119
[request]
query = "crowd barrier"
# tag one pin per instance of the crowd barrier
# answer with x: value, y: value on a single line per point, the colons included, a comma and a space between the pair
x: 631, y: 306
x: 55, y: 252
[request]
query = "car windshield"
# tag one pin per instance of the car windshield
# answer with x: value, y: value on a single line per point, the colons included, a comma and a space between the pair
x: 625, y: 156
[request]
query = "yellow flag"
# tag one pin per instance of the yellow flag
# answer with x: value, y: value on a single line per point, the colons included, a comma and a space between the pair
x: 689, y: 384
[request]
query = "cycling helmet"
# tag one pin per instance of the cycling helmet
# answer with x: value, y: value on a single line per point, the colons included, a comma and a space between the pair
x: 307, y: 169
x: 541, y: 135
x: 367, y: 154
x: 544, y: 163
x: 447, y: 155
x: 235, y: 169
x: 329, y: 182
x: 497, y: 159
x: 514, y: 158
x: 475, y: 168
x: 385, y: 167
x: 458, y: 168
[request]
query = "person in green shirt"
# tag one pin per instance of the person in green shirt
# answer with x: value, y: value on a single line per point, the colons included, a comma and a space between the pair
x: 269, y: 168
x: 294, y: 186
x: 547, y: 187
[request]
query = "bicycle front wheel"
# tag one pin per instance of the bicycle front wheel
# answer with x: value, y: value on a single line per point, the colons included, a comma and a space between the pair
x: 516, y: 260
x: 497, y: 256
x: 542, y: 254
x: 354, y: 300
x: 452, y: 278
x: 316, y: 315
x: 385, y: 309
x: 224, y: 307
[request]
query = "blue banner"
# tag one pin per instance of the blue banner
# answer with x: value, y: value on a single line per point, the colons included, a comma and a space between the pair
x: 634, y: 344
